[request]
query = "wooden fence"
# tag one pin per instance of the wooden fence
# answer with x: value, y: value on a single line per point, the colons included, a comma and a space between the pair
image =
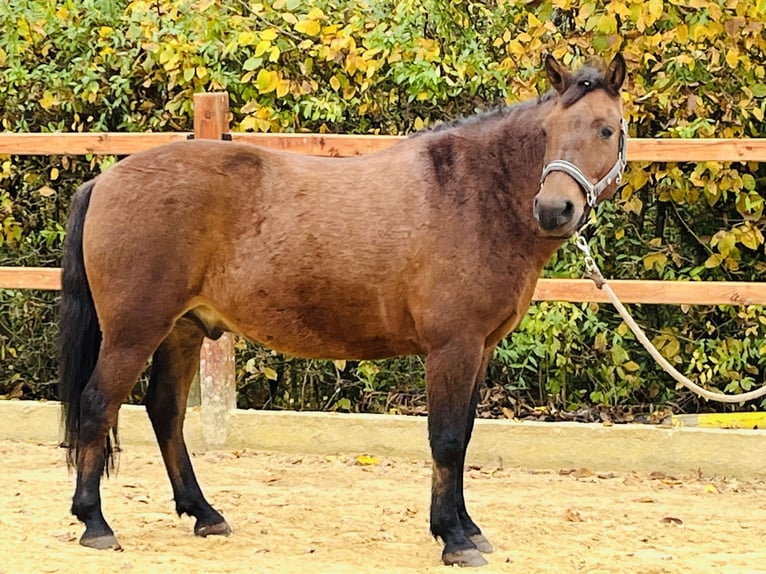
x: 211, y: 113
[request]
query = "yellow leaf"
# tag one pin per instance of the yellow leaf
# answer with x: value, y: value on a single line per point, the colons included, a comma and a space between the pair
x: 269, y: 373
x: 261, y: 48
x: 607, y: 24
x: 655, y: 260
x: 308, y: 27
x: 732, y: 58
x: 249, y: 123
x: 340, y: 364
x: 46, y: 191
x: 246, y: 38
x: 54, y: 174
x: 266, y: 81
x: 655, y: 11
x: 335, y: 83
x: 367, y: 460
x: 268, y: 35
x: 283, y: 88
x: 315, y: 14
x: 749, y: 239
x: 622, y: 329
x: 631, y: 366
x: 48, y: 101
x: 713, y: 261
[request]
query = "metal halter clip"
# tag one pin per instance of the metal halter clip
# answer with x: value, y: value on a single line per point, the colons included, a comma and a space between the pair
x: 592, y: 271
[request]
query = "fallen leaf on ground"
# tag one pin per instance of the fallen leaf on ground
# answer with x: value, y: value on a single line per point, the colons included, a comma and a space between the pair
x: 672, y: 520
x: 573, y: 515
x: 367, y: 460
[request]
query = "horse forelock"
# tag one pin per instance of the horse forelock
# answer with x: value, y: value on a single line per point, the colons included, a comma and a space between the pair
x: 587, y: 79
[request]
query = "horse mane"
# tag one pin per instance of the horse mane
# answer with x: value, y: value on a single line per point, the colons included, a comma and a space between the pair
x: 498, y: 112
x: 588, y: 78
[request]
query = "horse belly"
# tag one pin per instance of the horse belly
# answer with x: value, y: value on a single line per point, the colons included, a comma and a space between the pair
x: 336, y: 328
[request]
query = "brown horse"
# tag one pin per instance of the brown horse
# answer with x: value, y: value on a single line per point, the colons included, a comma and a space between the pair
x: 430, y: 247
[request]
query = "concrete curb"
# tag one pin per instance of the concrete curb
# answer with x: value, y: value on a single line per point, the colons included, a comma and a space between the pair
x: 552, y: 446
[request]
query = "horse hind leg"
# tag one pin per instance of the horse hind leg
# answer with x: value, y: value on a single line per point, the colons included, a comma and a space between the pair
x: 115, y: 373
x: 173, y: 368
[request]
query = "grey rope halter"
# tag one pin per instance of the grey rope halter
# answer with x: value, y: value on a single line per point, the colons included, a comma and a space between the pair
x: 592, y: 191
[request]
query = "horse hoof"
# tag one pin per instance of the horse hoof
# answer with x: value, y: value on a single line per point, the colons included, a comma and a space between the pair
x: 103, y: 542
x: 217, y: 529
x: 481, y: 542
x: 469, y: 557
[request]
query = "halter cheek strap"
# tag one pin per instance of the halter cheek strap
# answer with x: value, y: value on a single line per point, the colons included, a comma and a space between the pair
x: 592, y: 191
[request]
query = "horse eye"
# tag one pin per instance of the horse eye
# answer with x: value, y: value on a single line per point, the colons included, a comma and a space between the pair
x: 606, y: 132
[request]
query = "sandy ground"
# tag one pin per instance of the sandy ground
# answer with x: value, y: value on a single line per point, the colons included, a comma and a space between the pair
x: 307, y: 514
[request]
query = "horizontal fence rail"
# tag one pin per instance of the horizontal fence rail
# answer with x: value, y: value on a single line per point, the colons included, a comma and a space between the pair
x: 572, y: 290
x: 111, y: 143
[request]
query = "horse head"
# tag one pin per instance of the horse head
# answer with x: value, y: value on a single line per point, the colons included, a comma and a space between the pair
x: 585, y: 141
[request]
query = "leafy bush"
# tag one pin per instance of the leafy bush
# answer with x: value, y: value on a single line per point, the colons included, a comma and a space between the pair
x: 696, y: 70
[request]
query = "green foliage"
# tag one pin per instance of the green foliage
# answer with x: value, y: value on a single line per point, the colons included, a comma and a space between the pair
x: 349, y: 66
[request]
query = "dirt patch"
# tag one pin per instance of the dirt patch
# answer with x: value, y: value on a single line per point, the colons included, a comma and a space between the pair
x: 331, y: 514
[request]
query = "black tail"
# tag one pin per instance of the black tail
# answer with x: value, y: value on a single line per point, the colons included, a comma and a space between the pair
x: 79, y: 332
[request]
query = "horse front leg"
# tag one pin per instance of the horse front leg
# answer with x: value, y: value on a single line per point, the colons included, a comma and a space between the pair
x: 451, y: 374
x: 469, y: 526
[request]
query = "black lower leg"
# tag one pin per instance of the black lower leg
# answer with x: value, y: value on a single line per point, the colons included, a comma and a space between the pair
x: 86, y: 502
x: 451, y: 375
x: 469, y: 526
x: 173, y: 368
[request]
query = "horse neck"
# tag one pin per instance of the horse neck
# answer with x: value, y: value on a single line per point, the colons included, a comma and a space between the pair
x: 508, y: 150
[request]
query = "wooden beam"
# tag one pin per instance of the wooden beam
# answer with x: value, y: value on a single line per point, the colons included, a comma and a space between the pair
x: 574, y: 290
x: 642, y: 149
x: 45, y: 278
x: 332, y: 145
x: 654, y: 292
x: 693, y: 150
x: 106, y: 143
x: 217, y: 369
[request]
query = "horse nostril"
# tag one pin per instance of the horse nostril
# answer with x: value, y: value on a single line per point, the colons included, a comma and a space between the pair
x: 554, y: 215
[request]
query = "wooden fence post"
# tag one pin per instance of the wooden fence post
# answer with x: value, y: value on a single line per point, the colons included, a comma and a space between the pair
x: 217, y: 368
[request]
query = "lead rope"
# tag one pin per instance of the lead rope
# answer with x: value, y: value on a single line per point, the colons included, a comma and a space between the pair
x: 594, y: 273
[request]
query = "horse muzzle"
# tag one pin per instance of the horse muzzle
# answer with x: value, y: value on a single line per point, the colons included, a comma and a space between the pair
x: 559, y: 213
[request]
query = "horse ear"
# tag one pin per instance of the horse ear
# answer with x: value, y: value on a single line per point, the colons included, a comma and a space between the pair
x: 615, y: 73
x: 557, y: 75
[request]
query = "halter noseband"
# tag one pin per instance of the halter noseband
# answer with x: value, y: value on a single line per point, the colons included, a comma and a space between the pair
x: 592, y: 191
